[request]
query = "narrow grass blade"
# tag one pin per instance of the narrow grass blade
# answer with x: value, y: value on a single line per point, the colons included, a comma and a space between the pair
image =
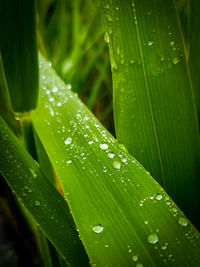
x: 19, y: 52
x: 124, y: 217
x: 154, y: 107
x: 40, y: 198
x: 194, y: 53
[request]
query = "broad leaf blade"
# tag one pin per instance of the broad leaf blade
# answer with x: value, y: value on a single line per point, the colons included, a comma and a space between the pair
x: 124, y: 217
x: 154, y: 109
x: 19, y: 52
x: 40, y: 198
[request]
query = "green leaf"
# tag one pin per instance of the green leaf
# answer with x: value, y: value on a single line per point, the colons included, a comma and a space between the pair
x: 40, y: 197
x: 124, y: 217
x: 154, y: 107
x: 19, y: 52
x: 194, y: 53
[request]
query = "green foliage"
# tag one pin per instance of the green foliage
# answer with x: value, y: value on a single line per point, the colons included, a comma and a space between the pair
x: 39, y: 197
x: 87, y: 200
x: 154, y: 109
x: 19, y: 52
x: 120, y: 211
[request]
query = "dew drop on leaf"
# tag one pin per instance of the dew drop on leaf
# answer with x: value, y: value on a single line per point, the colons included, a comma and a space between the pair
x: 175, y: 60
x: 37, y: 203
x: 150, y: 43
x: 183, y: 221
x: 153, y: 238
x: 98, y: 228
x: 106, y: 37
x: 103, y: 146
x: 68, y: 141
x: 116, y: 165
x: 159, y: 197
x: 135, y: 257
x: 111, y: 155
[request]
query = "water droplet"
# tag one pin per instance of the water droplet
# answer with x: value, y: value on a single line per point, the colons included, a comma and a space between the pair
x: 90, y: 142
x: 183, y: 221
x: 68, y: 161
x: 54, y: 89
x: 69, y: 86
x: 163, y: 247
x: 153, y: 238
x: 37, y: 203
x: 111, y: 155
x: 159, y: 197
x: 139, y: 264
x: 106, y: 37
x: 135, y: 257
x: 116, y: 165
x: 33, y: 173
x: 106, y: 246
x: 146, y: 222
x: 98, y: 228
x: 68, y: 141
x: 103, y: 146
x: 150, y: 43
x: 175, y: 60
x: 124, y: 160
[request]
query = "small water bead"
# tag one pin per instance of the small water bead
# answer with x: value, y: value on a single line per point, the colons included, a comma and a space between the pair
x: 146, y: 222
x: 33, y: 173
x: 175, y: 60
x: 68, y: 141
x: 103, y: 146
x: 150, y: 43
x: 37, y: 203
x: 153, y: 238
x: 111, y: 155
x: 54, y: 89
x: 98, y: 228
x: 68, y: 161
x: 106, y: 37
x: 106, y: 246
x: 163, y: 247
x: 159, y: 197
x: 139, y: 264
x: 183, y: 221
x: 135, y: 258
x: 124, y: 160
x: 116, y: 165
x: 90, y: 142
x: 69, y: 86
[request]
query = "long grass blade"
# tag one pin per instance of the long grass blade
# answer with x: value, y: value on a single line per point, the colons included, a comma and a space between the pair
x: 18, y: 48
x: 124, y: 217
x: 40, y: 198
x: 154, y: 107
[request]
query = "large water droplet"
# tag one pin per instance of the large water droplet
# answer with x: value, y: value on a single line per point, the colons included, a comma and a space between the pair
x: 183, y: 221
x: 150, y: 43
x: 135, y: 257
x: 175, y: 60
x: 68, y: 141
x: 153, y: 238
x: 106, y: 37
x: 159, y: 197
x: 33, y: 173
x: 103, y: 146
x: 111, y: 155
x: 37, y: 203
x: 116, y: 165
x: 98, y: 228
